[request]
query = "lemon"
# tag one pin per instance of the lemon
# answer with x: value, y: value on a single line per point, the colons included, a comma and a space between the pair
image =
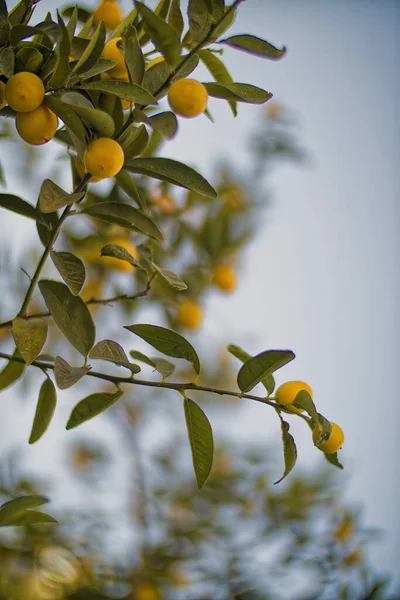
x: 24, y: 91
x: 38, y: 126
x: 334, y: 441
x: 103, y: 158
x: 80, y: 169
x: 112, y: 51
x: 224, y: 278
x: 109, y: 12
x: 287, y: 392
x: 189, y: 314
x: 154, y: 61
x: 187, y: 97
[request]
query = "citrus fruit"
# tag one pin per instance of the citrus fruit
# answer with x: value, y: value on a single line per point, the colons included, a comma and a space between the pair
x: 109, y: 12
x: 189, y: 314
x: 187, y: 97
x: 334, y: 441
x: 38, y: 126
x: 154, y: 61
x: 80, y: 169
x: 103, y: 158
x: 24, y: 91
x: 3, y: 100
x: 287, y: 392
x: 224, y: 278
x: 112, y: 51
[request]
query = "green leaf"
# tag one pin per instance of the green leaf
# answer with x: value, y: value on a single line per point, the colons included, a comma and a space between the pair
x: 63, y: 52
x: 128, y: 20
x: 254, y: 45
x: 260, y: 366
x: 44, y: 410
x: 29, y: 59
x: 304, y: 400
x: 200, y: 19
x: 127, y: 183
x: 21, y: 13
x: 168, y: 342
x: 127, y: 91
x: 19, y: 206
x: 201, y: 440
x: 113, y: 352
x: 66, y: 376
x: 31, y: 517
x: 71, y: 269
x: 91, y: 406
x: 241, y: 92
x: 102, y: 66
x: 163, y: 36
x: 163, y: 366
x: 120, y: 253
x: 134, y: 142
x: 333, y: 459
x: 125, y: 216
x: 268, y: 381
x: 52, y: 197
x: 172, y: 171
x: 29, y: 336
x: 11, y: 372
x: 165, y: 123
x: 133, y: 55
x: 155, y: 78
x: 324, y: 426
x: 218, y: 70
x: 97, y: 119
x: 289, y: 450
x: 93, y: 51
x: 7, y: 62
x: 175, y: 19
x: 16, y: 507
x: 171, y: 278
x: 71, y: 120
x: 70, y: 314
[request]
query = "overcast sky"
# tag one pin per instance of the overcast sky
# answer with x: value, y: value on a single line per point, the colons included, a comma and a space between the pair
x: 323, y: 278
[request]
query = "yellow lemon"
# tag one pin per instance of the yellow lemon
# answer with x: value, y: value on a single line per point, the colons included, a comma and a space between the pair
x: 146, y: 592
x: 116, y: 263
x: 112, y: 51
x: 334, y: 441
x: 109, y: 12
x: 3, y: 100
x: 153, y: 62
x: 274, y: 111
x: 187, y: 97
x: 287, y: 392
x: 126, y: 104
x: 103, y: 158
x: 165, y: 204
x: 224, y: 278
x: 38, y: 126
x: 24, y: 91
x: 189, y: 314
x: 80, y: 169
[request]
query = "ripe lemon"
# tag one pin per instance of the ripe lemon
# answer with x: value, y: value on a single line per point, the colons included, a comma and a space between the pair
x: 126, y: 104
x: 80, y: 169
x: 187, y: 97
x: 111, y: 51
x: 109, y: 12
x: 224, y: 278
x: 24, y: 91
x: 146, y: 592
x: 165, y: 204
x: 334, y: 441
x: 189, y: 314
x: 3, y: 100
x: 287, y: 392
x: 38, y: 126
x: 116, y: 263
x: 153, y: 62
x: 103, y: 158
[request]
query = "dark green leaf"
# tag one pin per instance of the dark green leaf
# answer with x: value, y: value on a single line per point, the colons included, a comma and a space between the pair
x: 71, y: 269
x: 127, y: 183
x: 66, y: 376
x: 126, y: 216
x: 201, y: 440
x: 52, y: 197
x: 200, y: 19
x: 29, y: 336
x: 7, y: 61
x: 97, y: 119
x: 163, y: 366
x: 268, y: 381
x: 172, y: 171
x: 168, y: 342
x: 218, y: 70
x: 19, y: 206
x: 11, y: 372
x: 289, y: 450
x: 241, y: 92
x: 171, y: 278
x: 113, y: 352
x: 22, y: 12
x: 70, y: 314
x: 31, y: 517
x: 165, y: 123
x: 17, y: 506
x: 71, y: 120
x: 126, y: 21
x: 120, y: 253
x: 91, y: 406
x: 63, y: 51
x: 133, y: 55
x: 44, y: 410
x: 93, y: 51
x: 163, y: 36
x: 134, y: 142
x: 127, y: 91
x: 260, y: 366
x: 175, y: 19
x: 333, y: 459
x: 29, y: 59
x: 102, y: 66
x: 254, y: 45
x: 304, y: 400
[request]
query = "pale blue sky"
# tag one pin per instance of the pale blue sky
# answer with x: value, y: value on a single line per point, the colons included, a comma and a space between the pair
x: 322, y: 277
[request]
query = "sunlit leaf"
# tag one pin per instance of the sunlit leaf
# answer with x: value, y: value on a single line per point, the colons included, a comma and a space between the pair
x: 44, y: 410
x: 29, y: 337
x: 17, y: 506
x: 201, y: 440
x: 11, y: 372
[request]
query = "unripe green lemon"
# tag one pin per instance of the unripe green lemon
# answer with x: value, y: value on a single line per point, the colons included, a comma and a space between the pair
x: 111, y: 51
x: 187, y: 97
x: 3, y: 100
x: 287, y: 392
x: 334, y: 441
x: 189, y: 314
x: 24, y: 91
x: 224, y: 278
x: 103, y: 158
x: 38, y: 126
x: 109, y: 12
